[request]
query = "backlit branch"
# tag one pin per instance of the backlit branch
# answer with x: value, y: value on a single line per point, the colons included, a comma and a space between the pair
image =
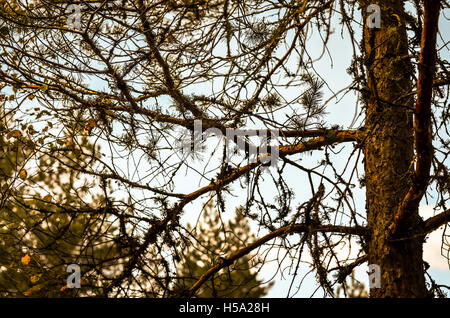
x: 422, y: 120
x: 436, y: 221
x: 173, y: 214
x: 286, y: 230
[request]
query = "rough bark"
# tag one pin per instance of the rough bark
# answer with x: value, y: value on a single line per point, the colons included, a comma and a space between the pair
x: 389, y: 154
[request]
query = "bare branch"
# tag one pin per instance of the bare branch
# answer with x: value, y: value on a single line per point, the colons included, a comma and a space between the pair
x: 436, y: 221
x: 287, y: 230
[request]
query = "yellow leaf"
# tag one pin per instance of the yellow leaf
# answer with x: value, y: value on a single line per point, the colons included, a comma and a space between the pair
x: 91, y: 124
x: 48, y: 198
x: 64, y: 288
x: 26, y: 259
x: 30, y: 97
x: 13, y: 226
x: 35, y: 278
x: 14, y: 133
x: 32, y: 289
x: 23, y: 174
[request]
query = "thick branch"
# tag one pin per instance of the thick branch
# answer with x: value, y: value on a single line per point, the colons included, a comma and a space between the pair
x: 174, y: 213
x: 436, y: 221
x: 157, y: 116
x: 340, y: 136
x: 422, y: 119
x: 286, y: 230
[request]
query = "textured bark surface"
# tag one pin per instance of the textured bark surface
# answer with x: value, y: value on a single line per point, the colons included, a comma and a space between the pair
x: 389, y: 152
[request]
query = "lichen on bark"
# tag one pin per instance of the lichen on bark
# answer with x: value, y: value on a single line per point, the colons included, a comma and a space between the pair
x: 389, y: 151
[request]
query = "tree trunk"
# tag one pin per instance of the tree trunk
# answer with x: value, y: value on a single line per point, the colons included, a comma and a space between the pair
x: 389, y: 153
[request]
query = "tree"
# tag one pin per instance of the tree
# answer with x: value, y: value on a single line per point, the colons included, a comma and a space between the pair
x: 155, y: 85
x: 41, y: 235
x: 355, y: 289
x: 215, y: 239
